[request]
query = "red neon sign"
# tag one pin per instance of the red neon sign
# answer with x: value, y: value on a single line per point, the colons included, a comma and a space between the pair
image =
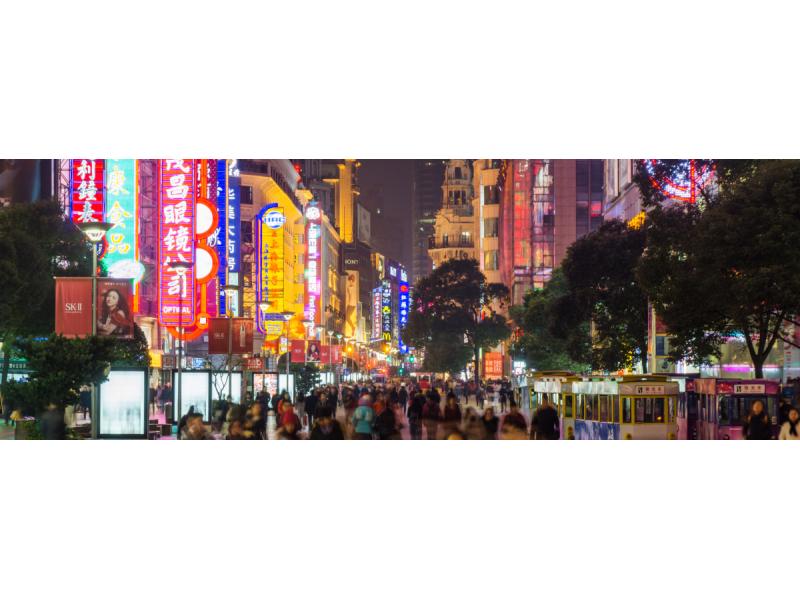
x: 176, y: 234
x: 87, y: 200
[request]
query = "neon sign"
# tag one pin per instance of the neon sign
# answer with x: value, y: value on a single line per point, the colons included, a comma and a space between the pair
x: 176, y: 232
x: 386, y: 310
x: 87, y: 190
x: 219, y: 237
x: 269, y: 271
x: 377, y: 294
x: 402, y: 312
x: 686, y: 185
x: 313, y: 234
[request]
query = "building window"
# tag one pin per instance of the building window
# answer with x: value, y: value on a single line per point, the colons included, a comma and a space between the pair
x: 491, y: 195
x: 490, y: 227
x: 457, y: 173
x: 246, y: 195
x: 247, y: 232
x: 466, y: 238
x: 491, y: 260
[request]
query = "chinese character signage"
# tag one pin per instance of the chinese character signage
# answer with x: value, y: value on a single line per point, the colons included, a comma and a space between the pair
x: 377, y: 319
x: 87, y: 190
x: 492, y: 365
x: 313, y: 234
x: 176, y: 234
x: 386, y: 311
x: 650, y: 389
x: 233, y: 216
x: 270, y: 268
x: 122, y: 252
x: 402, y: 310
x: 749, y: 388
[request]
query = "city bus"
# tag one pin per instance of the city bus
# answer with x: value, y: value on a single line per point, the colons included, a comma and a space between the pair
x: 687, y: 419
x: 637, y: 407
x: 725, y: 403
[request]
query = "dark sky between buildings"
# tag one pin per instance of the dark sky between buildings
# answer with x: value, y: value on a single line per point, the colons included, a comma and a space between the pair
x: 386, y: 190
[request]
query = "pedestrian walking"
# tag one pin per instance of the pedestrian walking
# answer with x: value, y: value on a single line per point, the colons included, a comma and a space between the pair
x: 363, y: 418
x: 473, y: 428
x: 544, y: 425
x: 514, y: 425
x: 790, y: 429
x: 402, y: 396
x: 490, y: 423
x: 756, y: 426
x: 414, y: 415
x: 52, y: 423
x: 451, y: 419
x: 326, y: 427
x: 431, y: 415
x: 386, y: 427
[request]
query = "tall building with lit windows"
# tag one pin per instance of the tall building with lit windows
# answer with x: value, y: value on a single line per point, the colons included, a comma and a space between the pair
x: 426, y: 202
x: 545, y: 205
x: 455, y: 230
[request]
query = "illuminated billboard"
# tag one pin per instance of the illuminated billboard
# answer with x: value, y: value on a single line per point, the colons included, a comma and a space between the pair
x: 313, y: 263
x: 176, y: 234
x: 87, y: 190
x: 269, y: 233
x: 402, y: 310
x: 377, y: 319
x: 387, y: 320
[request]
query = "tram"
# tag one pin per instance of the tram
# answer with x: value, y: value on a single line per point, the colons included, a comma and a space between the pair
x: 687, y: 418
x: 638, y: 407
x: 723, y: 404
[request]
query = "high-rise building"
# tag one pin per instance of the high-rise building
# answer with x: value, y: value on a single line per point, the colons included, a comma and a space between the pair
x: 487, y: 209
x: 546, y: 204
x: 426, y: 201
x: 455, y: 228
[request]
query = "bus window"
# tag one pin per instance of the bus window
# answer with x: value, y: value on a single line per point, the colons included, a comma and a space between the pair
x: 626, y: 410
x: 640, y: 410
x: 658, y: 410
x: 691, y: 406
x: 590, y: 400
x: 672, y: 405
x: 579, y: 406
x: 602, y: 413
x: 614, y: 401
x: 724, y: 410
x: 595, y: 407
x: 568, y: 406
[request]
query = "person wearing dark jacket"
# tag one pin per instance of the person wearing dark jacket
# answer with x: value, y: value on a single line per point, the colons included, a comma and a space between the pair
x: 414, y: 415
x: 385, y: 424
x: 490, y: 423
x: 544, y: 425
x: 310, y: 406
x: 326, y: 427
x: 756, y: 424
x: 452, y: 414
x: 515, y: 419
x: 431, y: 415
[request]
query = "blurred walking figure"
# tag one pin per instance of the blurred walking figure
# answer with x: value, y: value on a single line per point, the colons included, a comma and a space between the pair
x: 473, y: 425
x: 52, y: 423
x: 756, y: 426
x: 363, y: 418
x: 403, y: 397
x: 414, y: 414
x: 195, y: 428
x: 490, y: 423
x: 514, y: 424
x: 452, y: 414
x: 386, y: 426
x: 790, y: 430
x: 326, y: 427
x: 431, y: 415
x: 503, y: 399
x: 544, y: 425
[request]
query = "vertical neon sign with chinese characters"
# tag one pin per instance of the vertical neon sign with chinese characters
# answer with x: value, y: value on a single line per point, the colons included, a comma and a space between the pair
x: 386, y: 310
x: 377, y: 319
x: 176, y: 233
x: 402, y: 308
x: 121, y: 213
x: 87, y: 203
x: 313, y: 234
x: 220, y: 234
x: 268, y: 228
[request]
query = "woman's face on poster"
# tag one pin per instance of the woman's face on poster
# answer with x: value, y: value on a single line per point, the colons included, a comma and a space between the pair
x: 112, y: 299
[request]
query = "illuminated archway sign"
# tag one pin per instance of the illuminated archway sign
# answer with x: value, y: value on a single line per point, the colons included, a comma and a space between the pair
x: 686, y: 186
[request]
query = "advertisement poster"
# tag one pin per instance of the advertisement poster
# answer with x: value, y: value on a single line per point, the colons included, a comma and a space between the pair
x: 492, y: 365
x: 123, y: 404
x: 73, y: 306
x: 351, y: 304
x: 114, y: 314
x: 218, y: 330
x: 325, y: 354
x: 313, y: 351
x: 297, y: 349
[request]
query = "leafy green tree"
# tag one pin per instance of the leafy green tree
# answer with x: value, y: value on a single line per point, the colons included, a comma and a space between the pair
x: 545, y: 344
x: 60, y: 366
x: 600, y: 274
x: 730, y: 269
x: 454, y: 307
x: 37, y: 243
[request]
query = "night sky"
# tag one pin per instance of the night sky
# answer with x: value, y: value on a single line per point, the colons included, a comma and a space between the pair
x: 387, y: 185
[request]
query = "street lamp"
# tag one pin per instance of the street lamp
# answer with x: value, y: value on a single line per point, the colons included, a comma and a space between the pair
x: 287, y: 316
x: 230, y: 291
x: 263, y: 306
x: 180, y: 267
x: 94, y: 232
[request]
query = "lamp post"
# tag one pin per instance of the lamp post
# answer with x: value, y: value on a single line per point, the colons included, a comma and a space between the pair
x: 180, y: 266
x: 230, y: 291
x: 94, y: 232
x: 287, y: 316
